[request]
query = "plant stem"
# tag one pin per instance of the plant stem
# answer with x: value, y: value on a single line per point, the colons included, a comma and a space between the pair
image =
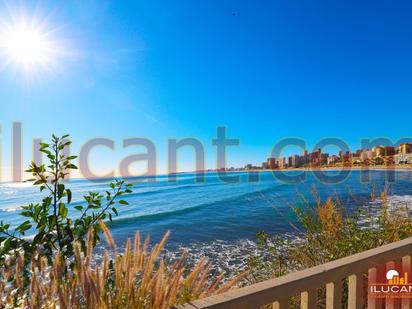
x: 109, y: 203
x: 12, y: 236
x: 56, y: 179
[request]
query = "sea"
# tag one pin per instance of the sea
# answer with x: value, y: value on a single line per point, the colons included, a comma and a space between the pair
x: 217, y: 217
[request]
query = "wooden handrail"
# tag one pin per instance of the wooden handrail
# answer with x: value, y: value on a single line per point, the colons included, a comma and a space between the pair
x: 267, y: 292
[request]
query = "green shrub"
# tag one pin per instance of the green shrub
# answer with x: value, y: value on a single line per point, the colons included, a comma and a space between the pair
x: 49, y: 221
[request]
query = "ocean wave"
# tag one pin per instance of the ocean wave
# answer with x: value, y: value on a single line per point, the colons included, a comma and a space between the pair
x: 226, y: 257
x: 10, y: 209
x: 169, y: 188
x: 8, y: 192
x: 15, y: 185
x: 229, y: 257
x: 156, y: 215
x: 400, y: 198
x: 185, y: 210
x: 394, y: 201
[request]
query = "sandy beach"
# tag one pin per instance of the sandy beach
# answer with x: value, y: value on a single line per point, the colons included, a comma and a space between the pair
x: 398, y: 168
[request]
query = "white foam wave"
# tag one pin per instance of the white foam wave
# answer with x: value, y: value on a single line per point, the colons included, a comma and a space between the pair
x: 10, y: 209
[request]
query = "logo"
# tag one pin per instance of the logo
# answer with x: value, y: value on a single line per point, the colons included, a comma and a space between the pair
x: 396, y: 286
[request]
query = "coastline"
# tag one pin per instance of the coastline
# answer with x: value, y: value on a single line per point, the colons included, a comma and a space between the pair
x: 401, y: 168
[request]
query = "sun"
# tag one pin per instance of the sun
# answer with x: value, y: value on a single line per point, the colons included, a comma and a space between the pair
x: 27, y: 46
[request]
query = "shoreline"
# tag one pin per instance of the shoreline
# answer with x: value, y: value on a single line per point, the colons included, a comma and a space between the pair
x: 399, y: 168
x: 326, y: 168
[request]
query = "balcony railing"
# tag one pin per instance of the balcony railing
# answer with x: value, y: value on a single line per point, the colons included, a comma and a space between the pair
x: 357, y: 270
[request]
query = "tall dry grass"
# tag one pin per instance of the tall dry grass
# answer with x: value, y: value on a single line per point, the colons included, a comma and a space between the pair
x: 328, y: 231
x: 136, y: 278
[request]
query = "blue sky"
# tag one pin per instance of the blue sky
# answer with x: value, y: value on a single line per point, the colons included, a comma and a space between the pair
x: 264, y: 69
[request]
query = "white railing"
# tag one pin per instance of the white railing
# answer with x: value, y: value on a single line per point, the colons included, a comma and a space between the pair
x: 358, y: 270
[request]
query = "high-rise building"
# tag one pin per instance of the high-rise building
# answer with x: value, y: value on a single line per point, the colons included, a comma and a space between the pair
x: 272, y: 164
x: 379, y: 151
x: 404, y: 148
x: 293, y: 161
x: 389, y: 150
x: 404, y: 154
x: 331, y: 160
x: 282, y: 162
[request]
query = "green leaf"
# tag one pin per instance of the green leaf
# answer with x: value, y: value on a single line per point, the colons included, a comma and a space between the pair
x: 6, y: 226
x: 69, y: 196
x: 6, y: 245
x: 63, y: 210
x: 64, y: 213
x: 24, y: 227
x: 26, y: 213
x: 52, y: 221
x: 123, y: 202
x: 60, y: 190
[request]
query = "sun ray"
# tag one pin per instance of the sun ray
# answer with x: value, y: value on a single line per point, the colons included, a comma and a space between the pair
x: 28, y: 44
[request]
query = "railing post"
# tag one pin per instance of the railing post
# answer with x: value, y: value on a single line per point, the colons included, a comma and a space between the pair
x: 281, y: 304
x: 334, y: 294
x: 390, y: 302
x: 372, y: 277
x: 308, y: 299
x: 355, y: 291
x: 406, y: 267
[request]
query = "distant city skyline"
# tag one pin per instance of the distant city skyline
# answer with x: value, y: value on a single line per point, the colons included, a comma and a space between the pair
x: 376, y: 155
x: 163, y: 70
